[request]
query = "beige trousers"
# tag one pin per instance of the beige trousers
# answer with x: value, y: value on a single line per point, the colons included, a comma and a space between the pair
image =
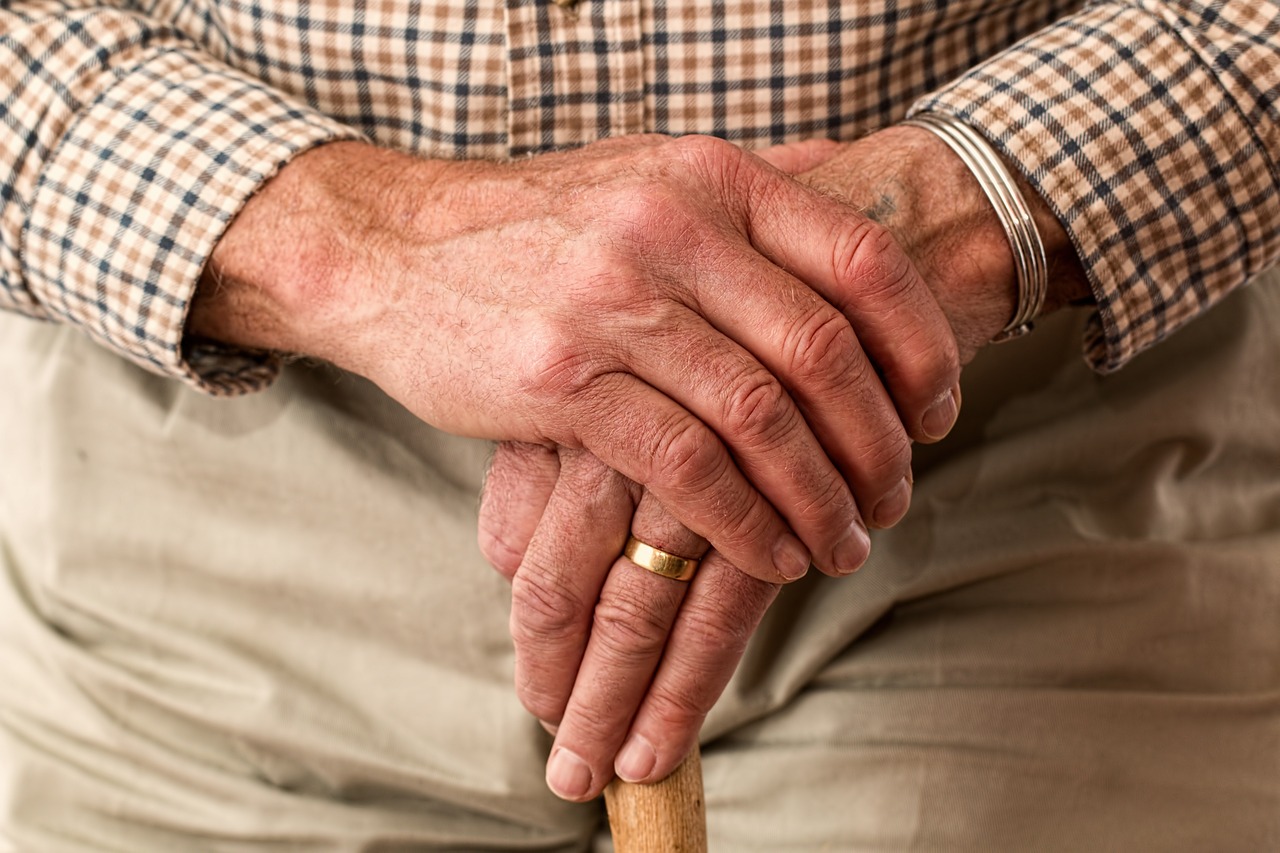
x: 264, y: 624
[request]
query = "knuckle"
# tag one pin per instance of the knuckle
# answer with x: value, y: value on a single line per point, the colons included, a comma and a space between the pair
x: 870, y: 262
x: 658, y: 319
x: 688, y: 458
x: 570, y: 377
x: 643, y: 211
x: 947, y: 369
x: 942, y: 370
x: 758, y: 410
x: 694, y: 469
x: 719, y: 633
x: 826, y: 505
x: 494, y: 547
x: 886, y: 456
x: 542, y: 611
x: 746, y: 525
x: 861, y: 374
x: 595, y: 486
x: 593, y: 728
x: 629, y: 630
x: 682, y: 708
x: 538, y: 696
x: 927, y: 367
x: 712, y: 634
x: 725, y: 165
x: 705, y: 151
x: 823, y: 346
x: 558, y: 367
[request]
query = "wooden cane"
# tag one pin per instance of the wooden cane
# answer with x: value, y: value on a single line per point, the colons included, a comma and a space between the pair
x: 666, y: 817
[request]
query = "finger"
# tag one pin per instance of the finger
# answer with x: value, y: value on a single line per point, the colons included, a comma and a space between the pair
x: 517, y: 486
x: 796, y: 157
x: 628, y: 633
x: 858, y: 266
x: 807, y: 344
x: 726, y: 387
x: 812, y: 348
x: 720, y: 613
x: 554, y: 592
x: 643, y: 434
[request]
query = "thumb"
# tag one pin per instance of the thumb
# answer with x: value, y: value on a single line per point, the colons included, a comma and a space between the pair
x: 796, y: 157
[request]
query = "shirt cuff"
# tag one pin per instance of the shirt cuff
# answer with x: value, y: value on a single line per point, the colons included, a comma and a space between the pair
x: 136, y: 193
x: 1139, y: 133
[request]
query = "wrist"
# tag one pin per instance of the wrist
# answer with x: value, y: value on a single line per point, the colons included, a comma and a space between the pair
x: 296, y: 272
x: 912, y: 182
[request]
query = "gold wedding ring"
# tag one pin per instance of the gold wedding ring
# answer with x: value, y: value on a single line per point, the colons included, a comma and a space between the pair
x: 658, y: 561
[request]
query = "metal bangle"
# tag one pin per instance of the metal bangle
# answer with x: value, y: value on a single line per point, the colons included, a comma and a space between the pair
x: 1030, y: 264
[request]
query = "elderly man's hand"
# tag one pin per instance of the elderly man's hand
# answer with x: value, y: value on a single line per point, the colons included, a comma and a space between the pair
x: 628, y: 663
x: 604, y: 647
x: 679, y: 308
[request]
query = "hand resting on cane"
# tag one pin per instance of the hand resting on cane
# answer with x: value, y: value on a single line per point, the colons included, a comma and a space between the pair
x: 627, y: 664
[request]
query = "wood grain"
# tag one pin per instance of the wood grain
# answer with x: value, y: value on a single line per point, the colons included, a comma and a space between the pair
x: 666, y: 817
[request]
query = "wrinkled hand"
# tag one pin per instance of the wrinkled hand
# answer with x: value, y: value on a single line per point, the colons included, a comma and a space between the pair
x: 678, y: 308
x: 618, y: 656
x: 626, y: 663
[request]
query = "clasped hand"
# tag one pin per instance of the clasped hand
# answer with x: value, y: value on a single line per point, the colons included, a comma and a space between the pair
x: 625, y: 664
x: 674, y: 329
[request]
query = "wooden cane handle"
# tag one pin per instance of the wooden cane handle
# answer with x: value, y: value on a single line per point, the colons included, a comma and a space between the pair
x: 666, y: 817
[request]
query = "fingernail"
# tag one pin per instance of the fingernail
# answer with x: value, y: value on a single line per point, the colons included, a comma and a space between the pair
x: 893, y: 506
x: 852, y: 551
x: 636, y: 760
x: 790, y: 558
x: 941, y: 416
x: 568, y: 776
x: 551, y: 728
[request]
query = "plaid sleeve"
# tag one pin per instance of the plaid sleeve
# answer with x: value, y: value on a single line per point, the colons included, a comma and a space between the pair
x: 1151, y: 129
x: 124, y: 154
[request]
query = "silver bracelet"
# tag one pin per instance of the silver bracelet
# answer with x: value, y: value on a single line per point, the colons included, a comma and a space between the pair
x: 1029, y: 261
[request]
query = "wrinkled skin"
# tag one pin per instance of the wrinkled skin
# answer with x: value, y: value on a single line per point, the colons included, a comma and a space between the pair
x: 626, y: 664
x: 681, y: 339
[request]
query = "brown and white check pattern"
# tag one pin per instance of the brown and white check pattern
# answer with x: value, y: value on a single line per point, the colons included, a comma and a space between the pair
x: 133, y: 130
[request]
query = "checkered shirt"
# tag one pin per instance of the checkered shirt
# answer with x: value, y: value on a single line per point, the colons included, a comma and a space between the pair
x: 133, y: 130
